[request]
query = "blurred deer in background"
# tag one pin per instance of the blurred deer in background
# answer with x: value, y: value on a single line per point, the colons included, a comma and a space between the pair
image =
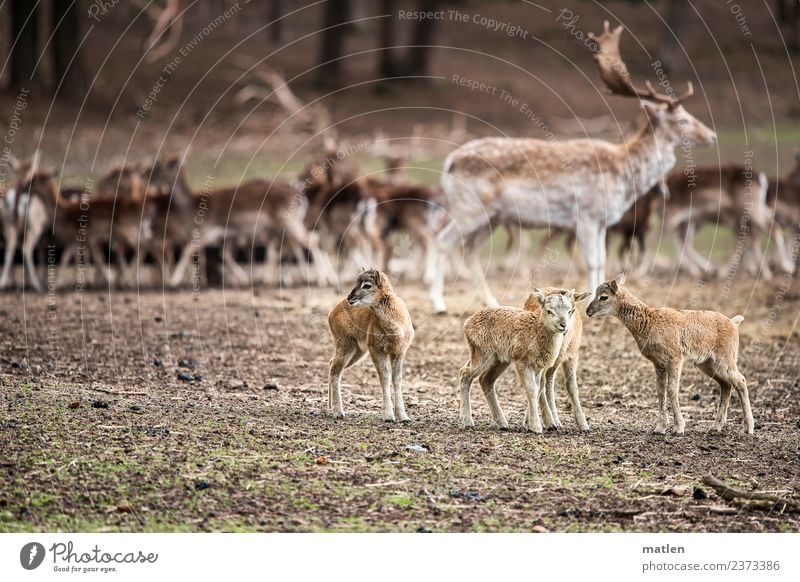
x: 732, y: 195
x: 783, y: 197
x: 582, y: 185
x: 189, y: 222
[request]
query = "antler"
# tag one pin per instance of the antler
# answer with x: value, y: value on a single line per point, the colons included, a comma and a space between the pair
x: 275, y: 88
x: 615, y: 74
x: 170, y: 17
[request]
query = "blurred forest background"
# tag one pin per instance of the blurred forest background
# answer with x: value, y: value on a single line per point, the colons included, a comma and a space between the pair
x: 109, y: 80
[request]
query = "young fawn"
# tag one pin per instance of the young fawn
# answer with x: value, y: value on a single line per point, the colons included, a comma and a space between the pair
x: 668, y: 336
x: 567, y: 360
x: 498, y: 336
x: 372, y: 319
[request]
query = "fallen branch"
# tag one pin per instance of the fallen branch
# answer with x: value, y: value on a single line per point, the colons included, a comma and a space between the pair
x: 387, y: 483
x: 728, y: 493
x: 118, y: 392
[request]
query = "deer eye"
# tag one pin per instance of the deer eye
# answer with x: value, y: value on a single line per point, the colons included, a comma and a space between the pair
x: 366, y: 286
x: 551, y: 313
x: 604, y: 298
x: 572, y: 312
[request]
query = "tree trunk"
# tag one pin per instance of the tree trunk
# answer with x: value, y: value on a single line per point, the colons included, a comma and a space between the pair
x: 783, y: 12
x: 386, y: 64
x: 276, y: 10
x: 677, y: 22
x: 417, y: 59
x: 795, y: 41
x: 25, y: 40
x: 337, y: 13
x: 68, y: 68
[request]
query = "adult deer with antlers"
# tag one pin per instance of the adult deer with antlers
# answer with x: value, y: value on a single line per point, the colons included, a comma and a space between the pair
x: 581, y: 185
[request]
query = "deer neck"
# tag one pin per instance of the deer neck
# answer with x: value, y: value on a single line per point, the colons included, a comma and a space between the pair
x: 649, y: 156
x: 182, y: 196
x: 633, y: 313
x: 391, y: 316
x: 548, y: 344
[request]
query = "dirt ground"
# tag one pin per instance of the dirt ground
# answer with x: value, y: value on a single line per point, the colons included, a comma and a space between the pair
x: 98, y: 432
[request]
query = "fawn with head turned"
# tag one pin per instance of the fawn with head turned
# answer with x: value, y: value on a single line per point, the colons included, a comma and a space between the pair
x: 371, y: 319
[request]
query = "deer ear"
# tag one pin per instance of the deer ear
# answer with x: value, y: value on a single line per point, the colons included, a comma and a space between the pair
x: 613, y: 286
x: 537, y: 293
x: 581, y: 296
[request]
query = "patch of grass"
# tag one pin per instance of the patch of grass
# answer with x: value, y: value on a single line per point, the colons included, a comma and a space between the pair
x: 304, y: 504
x: 402, y: 501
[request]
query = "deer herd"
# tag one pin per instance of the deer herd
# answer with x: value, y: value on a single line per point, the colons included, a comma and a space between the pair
x: 334, y: 218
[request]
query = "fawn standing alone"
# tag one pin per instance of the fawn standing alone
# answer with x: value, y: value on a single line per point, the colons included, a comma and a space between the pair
x: 372, y: 319
x: 668, y: 336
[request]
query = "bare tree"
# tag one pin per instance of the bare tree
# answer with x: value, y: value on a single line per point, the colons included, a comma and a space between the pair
x: 68, y: 67
x: 677, y: 19
x: 276, y: 31
x: 417, y: 59
x: 336, y: 16
x: 386, y: 40
x: 25, y: 42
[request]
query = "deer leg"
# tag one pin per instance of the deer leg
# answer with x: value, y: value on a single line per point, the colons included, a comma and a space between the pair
x: 63, y: 264
x: 518, y: 250
x: 647, y: 255
x: 269, y: 272
x: 570, y: 368
x: 124, y: 275
x: 228, y: 260
x: 487, y: 382
x: 661, y: 390
x: 383, y: 366
x: 10, y: 235
x: 448, y: 239
x: 550, y: 391
x: 688, y: 258
x: 592, y: 242
x: 740, y: 384
x: 397, y: 384
x: 423, y: 235
x: 99, y: 259
x: 430, y: 259
x: 30, y: 238
x: 547, y: 401
x: 325, y: 273
x: 721, y: 417
x: 344, y: 356
x: 781, y: 250
x: 757, y: 263
x: 530, y: 380
x: 673, y: 384
x: 477, y: 365
x: 183, y: 264
x: 436, y: 286
x: 472, y: 250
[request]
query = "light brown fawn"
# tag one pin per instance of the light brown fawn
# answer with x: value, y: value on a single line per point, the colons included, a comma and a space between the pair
x: 371, y: 319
